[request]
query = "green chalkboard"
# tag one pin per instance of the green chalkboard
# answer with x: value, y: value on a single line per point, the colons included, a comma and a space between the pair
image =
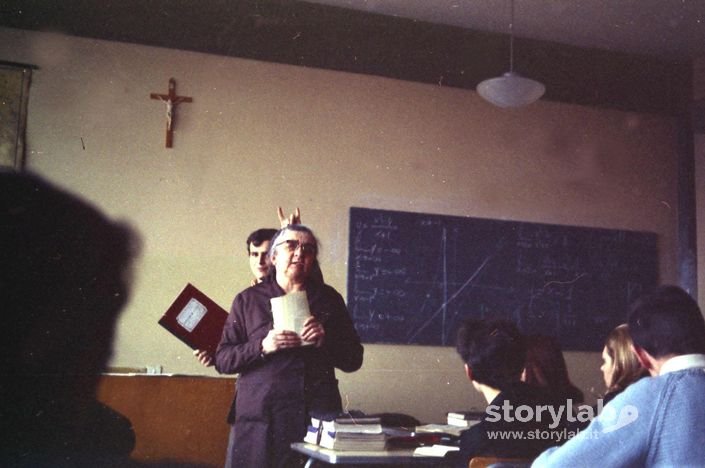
x: 413, y: 277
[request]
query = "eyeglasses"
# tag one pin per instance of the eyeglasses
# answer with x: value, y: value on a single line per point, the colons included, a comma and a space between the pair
x: 292, y: 244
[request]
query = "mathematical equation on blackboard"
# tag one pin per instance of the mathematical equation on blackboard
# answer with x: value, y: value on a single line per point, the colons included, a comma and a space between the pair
x: 414, y: 277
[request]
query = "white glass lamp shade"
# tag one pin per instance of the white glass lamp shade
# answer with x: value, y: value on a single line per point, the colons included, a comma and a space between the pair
x: 510, y: 90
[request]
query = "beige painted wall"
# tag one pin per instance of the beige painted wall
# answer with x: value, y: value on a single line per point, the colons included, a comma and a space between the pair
x: 259, y: 135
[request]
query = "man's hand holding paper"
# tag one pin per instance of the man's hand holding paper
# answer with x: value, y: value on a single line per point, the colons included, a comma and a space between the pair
x: 313, y: 332
x: 280, y: 339
x: 293, y: 324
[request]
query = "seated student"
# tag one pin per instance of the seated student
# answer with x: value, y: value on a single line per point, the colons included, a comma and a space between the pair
x: 64, y: 274
x: 494, y: 355
x: 620, y: 367
x: 655, y: 421
x: 545, y: 367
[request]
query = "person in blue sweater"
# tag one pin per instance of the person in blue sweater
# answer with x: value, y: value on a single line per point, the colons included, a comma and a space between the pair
x: 658, y: 420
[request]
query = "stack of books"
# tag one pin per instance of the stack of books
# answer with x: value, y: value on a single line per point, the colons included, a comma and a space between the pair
x: 464, y: 419
x: 347, y: 433
x: 449, y: 430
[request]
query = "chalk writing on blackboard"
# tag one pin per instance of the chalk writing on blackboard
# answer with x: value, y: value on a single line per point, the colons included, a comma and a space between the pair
x: 413, y: 277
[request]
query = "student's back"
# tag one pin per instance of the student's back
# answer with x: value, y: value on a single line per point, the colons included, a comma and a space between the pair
x: 513, y: 425
x: 658, y: 420
x: 501, y: 434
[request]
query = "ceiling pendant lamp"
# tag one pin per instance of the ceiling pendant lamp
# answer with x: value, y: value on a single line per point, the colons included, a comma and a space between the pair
x: 511, y: 89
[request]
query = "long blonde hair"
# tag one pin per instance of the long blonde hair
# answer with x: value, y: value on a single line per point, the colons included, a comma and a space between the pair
x: 627, y: 369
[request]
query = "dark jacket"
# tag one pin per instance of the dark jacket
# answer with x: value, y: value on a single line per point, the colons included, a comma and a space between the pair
x: 276, y: 393
x: 508, y: 437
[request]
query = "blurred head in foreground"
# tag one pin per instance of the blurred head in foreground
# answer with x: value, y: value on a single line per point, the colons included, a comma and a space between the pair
x: 64, y: 275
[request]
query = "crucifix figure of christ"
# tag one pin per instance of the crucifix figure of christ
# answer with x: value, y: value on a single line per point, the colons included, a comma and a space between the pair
x: 171, y: 100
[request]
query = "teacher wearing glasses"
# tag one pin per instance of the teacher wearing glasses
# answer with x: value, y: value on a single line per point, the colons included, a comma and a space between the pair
x: 282, y: 381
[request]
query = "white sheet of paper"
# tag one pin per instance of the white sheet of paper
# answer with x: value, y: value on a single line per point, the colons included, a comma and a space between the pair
x: 191, y: 314
x: 290, y: 311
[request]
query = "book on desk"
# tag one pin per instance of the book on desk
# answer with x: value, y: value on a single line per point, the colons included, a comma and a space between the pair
x: 347, y: 432
x: 353, y: 440
x: 361, y: 433
x: 436, y: 450
x: 464, y: 418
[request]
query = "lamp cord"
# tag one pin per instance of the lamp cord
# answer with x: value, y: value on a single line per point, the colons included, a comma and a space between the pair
x: 511, y: 37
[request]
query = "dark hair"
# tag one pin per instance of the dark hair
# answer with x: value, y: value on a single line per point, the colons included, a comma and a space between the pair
x: 63, y: 282
x: 494, y: 350
x: 260, y: 235
x: 667, y: 321
x: 545, y: 367
x: 65, y: 272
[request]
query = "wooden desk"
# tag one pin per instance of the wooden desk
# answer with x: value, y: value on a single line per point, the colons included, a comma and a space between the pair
x: 176, y: 418
x: 403, y: 457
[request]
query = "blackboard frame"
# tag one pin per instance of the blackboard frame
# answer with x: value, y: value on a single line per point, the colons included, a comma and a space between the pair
x: 412, y: 277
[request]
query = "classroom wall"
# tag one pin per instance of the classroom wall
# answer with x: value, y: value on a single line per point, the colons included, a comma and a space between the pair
x: 261, y: 135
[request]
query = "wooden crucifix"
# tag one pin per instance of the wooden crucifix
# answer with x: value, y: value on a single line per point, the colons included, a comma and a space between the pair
x: 171, y: 100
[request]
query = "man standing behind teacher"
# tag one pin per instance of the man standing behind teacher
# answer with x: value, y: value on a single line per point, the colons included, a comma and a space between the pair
x: 258, y: 243
x: 281, y: 381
